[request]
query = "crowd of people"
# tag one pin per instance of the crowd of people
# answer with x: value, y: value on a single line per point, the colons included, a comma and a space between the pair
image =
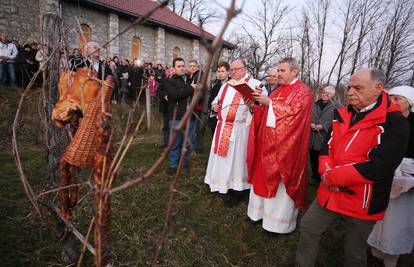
x: 361, y: 158
x: 130, y: 76
x: 361, y: 154
x: 18, y: 63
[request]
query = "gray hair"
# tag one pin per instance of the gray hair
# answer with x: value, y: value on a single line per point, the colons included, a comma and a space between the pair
x: 92, y: 43
x: 378, y: 76
x: 330, y: 89
x: 241, y: 60
x: 293, y: 63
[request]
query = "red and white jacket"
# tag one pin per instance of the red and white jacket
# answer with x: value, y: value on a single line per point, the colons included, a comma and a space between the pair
x: 363, y: 152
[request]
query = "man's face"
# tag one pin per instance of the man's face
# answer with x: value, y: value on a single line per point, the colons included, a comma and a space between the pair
x: 285, y: 75
x: 3, y: 37
x: 362, y: 90
x: 192, y: 67
x: 272, y: 78
x: 179, y: 68
x: 222, y: 74
x: 93, y: 49
x: 237, y: 70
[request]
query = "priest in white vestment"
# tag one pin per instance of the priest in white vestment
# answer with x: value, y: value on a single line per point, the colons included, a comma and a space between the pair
x: 227, y: 168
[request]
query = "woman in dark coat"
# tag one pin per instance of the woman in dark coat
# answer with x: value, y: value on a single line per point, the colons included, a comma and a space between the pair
x: 322, y: 116
x: 25, y: 62
x: 124, y: 76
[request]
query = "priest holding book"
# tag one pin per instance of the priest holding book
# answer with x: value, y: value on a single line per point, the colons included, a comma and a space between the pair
x: 227, y: 170
x: 278, y: 151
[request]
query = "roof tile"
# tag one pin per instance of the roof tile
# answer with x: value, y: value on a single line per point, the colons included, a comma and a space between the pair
x: 163, y: 16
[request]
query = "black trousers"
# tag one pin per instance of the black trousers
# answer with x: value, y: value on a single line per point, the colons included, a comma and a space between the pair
x: 212, y: 123
x: 314, y: 161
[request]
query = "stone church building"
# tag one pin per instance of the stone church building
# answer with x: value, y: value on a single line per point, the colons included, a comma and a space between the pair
x: 162, y: 37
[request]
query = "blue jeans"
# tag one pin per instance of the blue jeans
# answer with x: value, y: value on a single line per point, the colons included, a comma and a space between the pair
x: 10, y: 69
x: 174, y: 156
x: 193, y: 136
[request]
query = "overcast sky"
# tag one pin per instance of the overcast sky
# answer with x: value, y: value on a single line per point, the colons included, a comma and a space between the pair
x: 331, y: 47
x: 249, y: 5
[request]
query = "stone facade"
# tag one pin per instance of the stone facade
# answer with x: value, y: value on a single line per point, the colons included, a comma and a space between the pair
x: 160, y: 45
x: 157, y: 44
x: 21, y: 20
x: 145, y: 34
x: 113, y: 30
x: 73, y: 17
x: 184, y: 44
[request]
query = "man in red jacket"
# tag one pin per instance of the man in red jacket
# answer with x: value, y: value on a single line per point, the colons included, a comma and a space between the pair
x: 367, y: 143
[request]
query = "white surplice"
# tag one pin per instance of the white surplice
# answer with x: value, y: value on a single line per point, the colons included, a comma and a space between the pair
x: 279, y: 213
x: 230, y: 172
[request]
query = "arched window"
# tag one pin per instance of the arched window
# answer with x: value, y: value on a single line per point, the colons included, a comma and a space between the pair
x: 176, y: 52
x: 84, y: 38
x: 136, y: 48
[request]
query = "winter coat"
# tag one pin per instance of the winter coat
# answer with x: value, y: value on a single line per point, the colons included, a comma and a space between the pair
x: 324, y: 117
x: 179, y: 93
x: 362, y: 154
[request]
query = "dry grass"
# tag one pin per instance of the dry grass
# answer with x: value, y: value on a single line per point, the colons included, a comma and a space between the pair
x: 204, y: 232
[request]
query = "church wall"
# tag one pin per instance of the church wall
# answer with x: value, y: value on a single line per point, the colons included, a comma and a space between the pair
x: 20, y: 20
x: 185, y: 45
x: 145, y: 34
x: 96, y: 20
x: 203, y: 54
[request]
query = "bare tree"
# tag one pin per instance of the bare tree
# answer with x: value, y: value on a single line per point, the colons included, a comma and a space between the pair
x: 261, y: 40
x: 369, y: 12
x: 347, y: 28
x: 305, y: 47
x: 196, y: 11
x: 321, y: 14
x: 178, y: 6
x: 392, y: 50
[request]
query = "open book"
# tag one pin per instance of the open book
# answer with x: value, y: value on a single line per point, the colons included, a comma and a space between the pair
x: 243, y: 88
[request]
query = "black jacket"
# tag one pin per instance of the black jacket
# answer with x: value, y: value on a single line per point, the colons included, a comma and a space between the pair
x: 410, y: 150
x: 135, y: 76
x: 103, y: 69
x: 196, y: 77
x: 161, y: 92
x: 214, y: 92
x: 179, y: 93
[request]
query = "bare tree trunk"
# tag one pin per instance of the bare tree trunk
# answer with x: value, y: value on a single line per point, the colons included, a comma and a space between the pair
x: 54, y: 144
x: 321, y: 18
x: 348, y: 27
x: 54, y: 136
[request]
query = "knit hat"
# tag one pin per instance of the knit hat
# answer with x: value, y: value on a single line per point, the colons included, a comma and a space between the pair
x: 405, y: 91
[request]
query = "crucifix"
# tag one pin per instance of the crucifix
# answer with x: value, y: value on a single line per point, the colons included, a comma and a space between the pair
x: 279, y: 97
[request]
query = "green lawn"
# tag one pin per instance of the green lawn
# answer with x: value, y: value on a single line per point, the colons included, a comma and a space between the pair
x: 203, y: 233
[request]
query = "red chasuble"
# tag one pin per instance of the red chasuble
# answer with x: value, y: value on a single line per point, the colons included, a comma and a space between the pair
x: 281, y: 152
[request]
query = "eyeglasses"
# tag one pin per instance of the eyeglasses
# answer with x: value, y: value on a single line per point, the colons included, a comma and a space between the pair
x: 236, y: 69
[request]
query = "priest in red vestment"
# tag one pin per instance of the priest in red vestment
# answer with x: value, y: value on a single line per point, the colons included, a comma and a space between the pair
x: 278, y: 151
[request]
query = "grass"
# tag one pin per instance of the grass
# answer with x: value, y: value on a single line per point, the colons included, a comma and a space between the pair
x: 203, y: 233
